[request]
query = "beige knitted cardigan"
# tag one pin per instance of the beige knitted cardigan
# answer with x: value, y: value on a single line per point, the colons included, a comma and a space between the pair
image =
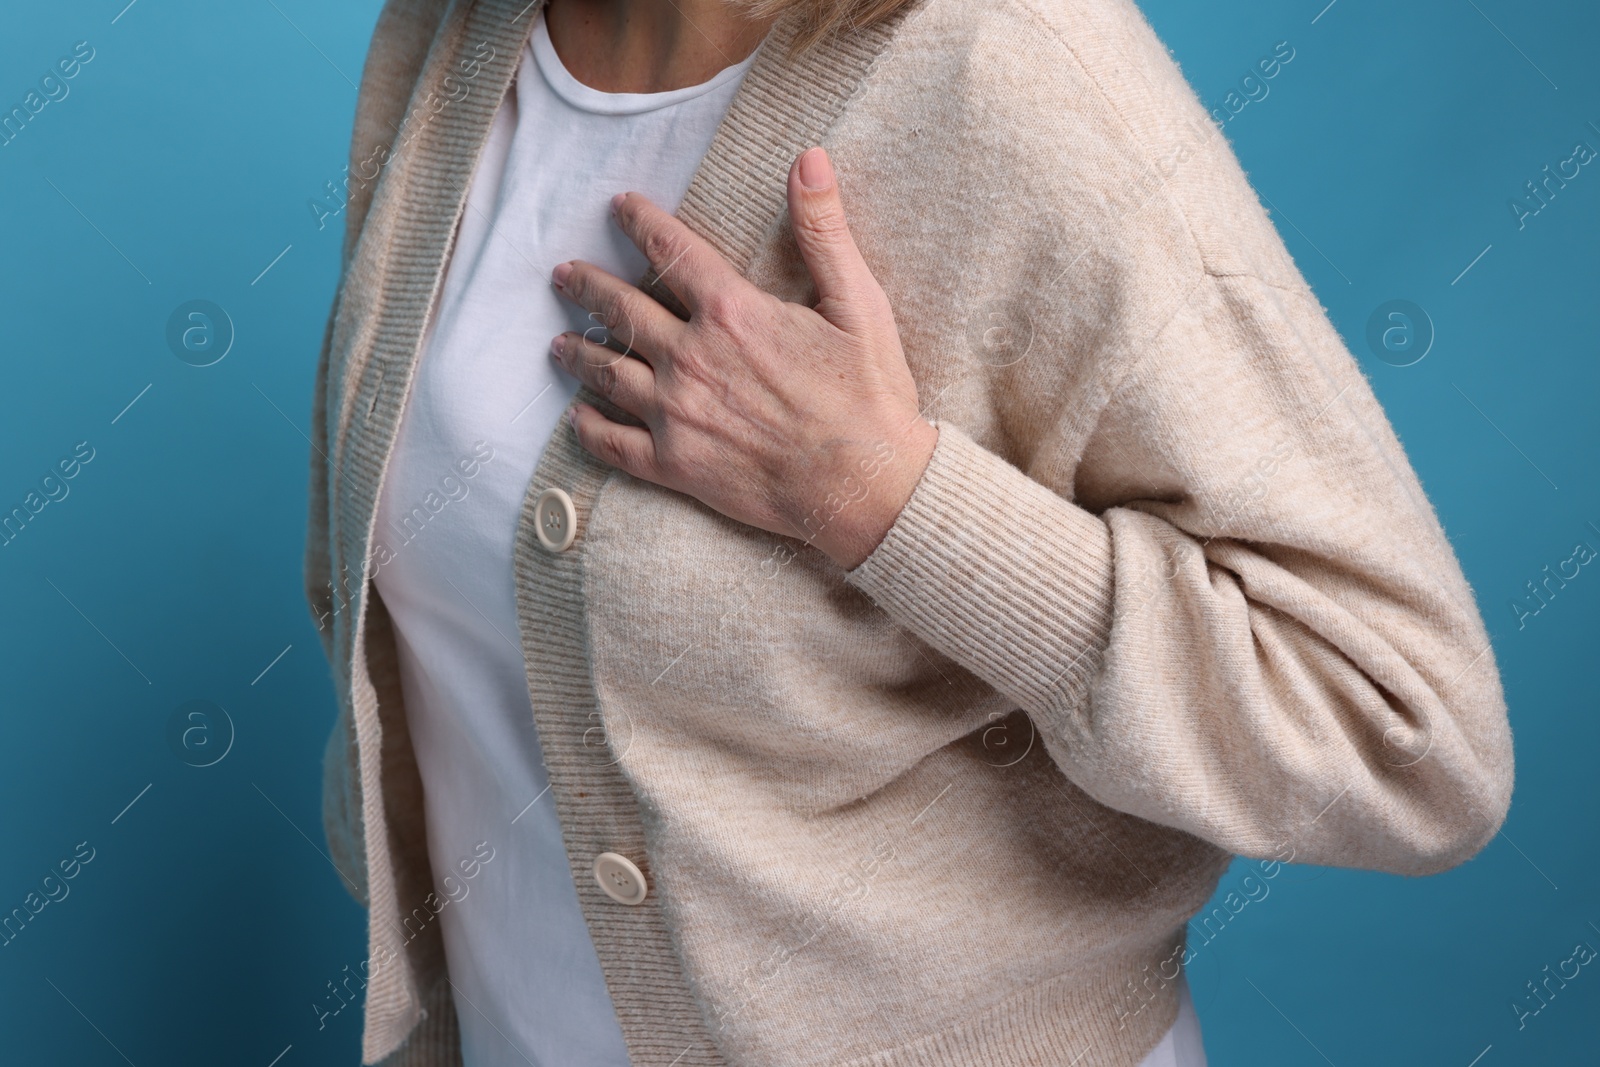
x: 1168, y: 590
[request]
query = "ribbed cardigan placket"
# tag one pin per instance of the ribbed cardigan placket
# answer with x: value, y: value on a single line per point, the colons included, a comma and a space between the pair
x: 736, y: 200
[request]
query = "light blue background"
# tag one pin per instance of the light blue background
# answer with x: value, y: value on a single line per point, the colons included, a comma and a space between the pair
x: 179, y: 167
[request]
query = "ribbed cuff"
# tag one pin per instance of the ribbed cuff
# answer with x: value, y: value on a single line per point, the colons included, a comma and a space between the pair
x: 999, y: 573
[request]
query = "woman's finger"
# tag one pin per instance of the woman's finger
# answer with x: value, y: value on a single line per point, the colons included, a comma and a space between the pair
x: 635, y: 322
x: 847, y: 294
x: 683, y: 260
x: 628, y: 448
x: 626, y: 382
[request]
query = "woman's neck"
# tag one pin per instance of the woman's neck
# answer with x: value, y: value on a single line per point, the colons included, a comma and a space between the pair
x: 649, y: 46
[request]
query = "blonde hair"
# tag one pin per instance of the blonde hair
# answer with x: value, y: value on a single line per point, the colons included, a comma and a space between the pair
x: 818, y: 18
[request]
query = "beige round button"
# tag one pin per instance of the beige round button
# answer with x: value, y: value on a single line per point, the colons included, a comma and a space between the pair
x: 622, y: 881
x: 555, y: 520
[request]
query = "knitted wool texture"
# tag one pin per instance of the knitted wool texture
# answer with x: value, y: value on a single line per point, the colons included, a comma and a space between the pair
x: 1168, y: 591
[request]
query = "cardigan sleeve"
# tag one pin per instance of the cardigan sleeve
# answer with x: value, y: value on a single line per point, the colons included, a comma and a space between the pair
x: 1241, y: 618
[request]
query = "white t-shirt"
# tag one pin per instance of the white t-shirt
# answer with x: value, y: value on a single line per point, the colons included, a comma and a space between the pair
x: 485, y: 398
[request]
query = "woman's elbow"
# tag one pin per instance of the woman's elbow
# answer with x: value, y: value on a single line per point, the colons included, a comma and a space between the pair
x: 1455, y: 807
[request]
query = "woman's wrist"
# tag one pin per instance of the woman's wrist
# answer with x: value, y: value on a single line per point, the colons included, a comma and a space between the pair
x: 850, y: 521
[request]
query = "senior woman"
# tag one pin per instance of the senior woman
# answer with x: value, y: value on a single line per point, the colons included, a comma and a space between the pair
x: 834, y: 521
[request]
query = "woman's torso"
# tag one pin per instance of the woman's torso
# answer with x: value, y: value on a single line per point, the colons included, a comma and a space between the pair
x: 455, y: 621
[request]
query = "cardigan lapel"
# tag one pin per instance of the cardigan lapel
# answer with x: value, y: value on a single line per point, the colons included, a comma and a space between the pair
x: 398, y: 264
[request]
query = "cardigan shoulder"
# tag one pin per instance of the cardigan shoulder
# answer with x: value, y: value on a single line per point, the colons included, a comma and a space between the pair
x: 1092, y: 77
x: 1049, y: 155
x: 1182, y: 142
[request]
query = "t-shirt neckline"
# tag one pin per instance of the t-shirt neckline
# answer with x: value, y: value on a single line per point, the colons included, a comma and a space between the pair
x: 586, y: 98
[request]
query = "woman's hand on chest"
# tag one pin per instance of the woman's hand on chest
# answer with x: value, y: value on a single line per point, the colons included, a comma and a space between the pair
x: 796, y: 420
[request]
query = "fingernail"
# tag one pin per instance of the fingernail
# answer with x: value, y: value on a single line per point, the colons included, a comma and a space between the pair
x: 572, y: 418
x: 815, y: 172
x: 559, y: 275
x: 555, y: 347
x: 616, y: 203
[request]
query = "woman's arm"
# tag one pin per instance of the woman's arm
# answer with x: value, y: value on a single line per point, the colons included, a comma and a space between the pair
x: 1254, y: 630
x: 1234, y: 614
